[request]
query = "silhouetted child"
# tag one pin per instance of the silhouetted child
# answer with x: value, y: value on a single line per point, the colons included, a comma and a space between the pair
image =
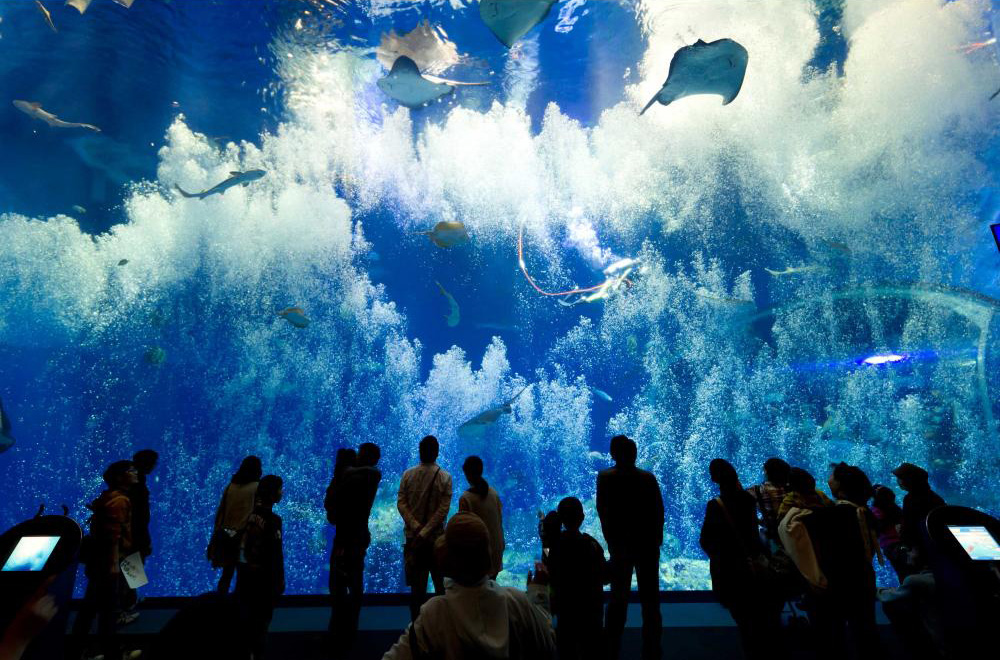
x: 578, y: 572
x: 888, y: 519
x: 770, y: 494
x: 802, y: 493
x: 260, y: 573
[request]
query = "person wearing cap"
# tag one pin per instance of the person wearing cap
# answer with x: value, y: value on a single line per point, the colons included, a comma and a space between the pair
x: 109, y: 541
x: 917, y: 503
x: 476, y: 617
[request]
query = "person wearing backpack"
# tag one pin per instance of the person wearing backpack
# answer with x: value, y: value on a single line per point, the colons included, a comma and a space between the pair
x: 234, y: 508
x: 737, y: 562
x: 109, y: 542
x: 355, y: 491
x: 260, y: 572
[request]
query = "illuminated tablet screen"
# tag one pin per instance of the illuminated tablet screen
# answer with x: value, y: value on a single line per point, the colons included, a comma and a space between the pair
x: 996, y: 234
x: 977, y: 542
x: 30, y: 553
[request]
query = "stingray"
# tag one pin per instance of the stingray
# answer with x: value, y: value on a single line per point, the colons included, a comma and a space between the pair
x: 447, y: 234
x: 6, y: 439
x: 79, y: 5
x: 476, y: 427
x: 509, y: 20
x: 452, y: 317
x: 704, y: 68
x: 426, y: 45
x: 406, y: 86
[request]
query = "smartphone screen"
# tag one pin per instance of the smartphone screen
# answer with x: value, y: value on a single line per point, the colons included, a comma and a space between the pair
x: 996, y: 233
x: 977, y: 542
x: 30, y: 553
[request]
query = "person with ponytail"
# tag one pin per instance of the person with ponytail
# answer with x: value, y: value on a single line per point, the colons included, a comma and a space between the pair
x: 482, y: 500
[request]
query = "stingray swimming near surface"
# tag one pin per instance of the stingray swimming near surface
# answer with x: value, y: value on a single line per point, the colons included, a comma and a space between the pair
x: 704, y: 68
x: 46, y: 15
x: 447, y: 233
x: 475, y: 428
x: 509, y: 20
x: 425, y: 44
x: 406, y: 86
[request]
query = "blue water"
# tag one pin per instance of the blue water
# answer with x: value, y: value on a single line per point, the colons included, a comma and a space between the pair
x: 861, y: 154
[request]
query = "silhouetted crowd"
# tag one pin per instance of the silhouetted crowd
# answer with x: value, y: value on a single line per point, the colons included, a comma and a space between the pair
x: 778, y: 549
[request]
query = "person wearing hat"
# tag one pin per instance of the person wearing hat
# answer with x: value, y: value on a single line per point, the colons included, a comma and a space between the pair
x: 109, y: 541
x: 476, y: 617
x: 918, y: 502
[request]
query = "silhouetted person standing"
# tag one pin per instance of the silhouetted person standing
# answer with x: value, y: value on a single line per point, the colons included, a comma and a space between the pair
x: 356, y: 490
x: 145, y: 462
x: 260, y: 573
x: 729, y: 537
x: 110, y: 541
x: 770, y: 494
x: 630, y: 506
x: 482, y: 500
x: 578, y: 572
x: 845, y: 542
x: 423, y: 502
x: 917, y: 503
x: 234, y: 509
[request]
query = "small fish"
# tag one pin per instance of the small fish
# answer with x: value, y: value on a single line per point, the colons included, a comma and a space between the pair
x: 452, y: 317
x: 35, y: 111
x: 46, y: 15
x: 447, y: 234
x: 295, y: 315
x: 836, y: 245
x: 797, y: 270
x: 476, y: 427
x: 602, y: 394
x: 6, y: 439
x: 235, y: 179
x: 122, y: 262
x: 498, y: 327
x: 156, y: 355
x: 78, y: 209
x: 704, y: 68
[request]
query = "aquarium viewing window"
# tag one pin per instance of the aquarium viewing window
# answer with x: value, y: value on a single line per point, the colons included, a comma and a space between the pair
x: 724, y: 228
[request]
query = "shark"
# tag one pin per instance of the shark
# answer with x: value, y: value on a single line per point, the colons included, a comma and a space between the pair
x: 35, y: 111
x: 6, y: 439
x: 704, y: 68
x: 235, y: 179
x: 475, y: 428
x: 452, y: 317
x: 447, y: 233
x: 601, y: 394
x: 406, y: 86
x: 509, y: 20
x: 795, y: 270
x: 46, y: 15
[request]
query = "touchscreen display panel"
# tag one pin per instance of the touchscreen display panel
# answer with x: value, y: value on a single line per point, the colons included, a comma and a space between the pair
x: 977, y: 542
x: 30, y: 553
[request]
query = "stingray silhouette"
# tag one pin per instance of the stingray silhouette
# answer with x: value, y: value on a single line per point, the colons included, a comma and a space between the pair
x: 509, y: 20
x: 406, y: 86
x: 704, y: 68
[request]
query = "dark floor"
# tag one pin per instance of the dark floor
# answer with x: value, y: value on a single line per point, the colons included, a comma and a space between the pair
x: 692, y: 631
